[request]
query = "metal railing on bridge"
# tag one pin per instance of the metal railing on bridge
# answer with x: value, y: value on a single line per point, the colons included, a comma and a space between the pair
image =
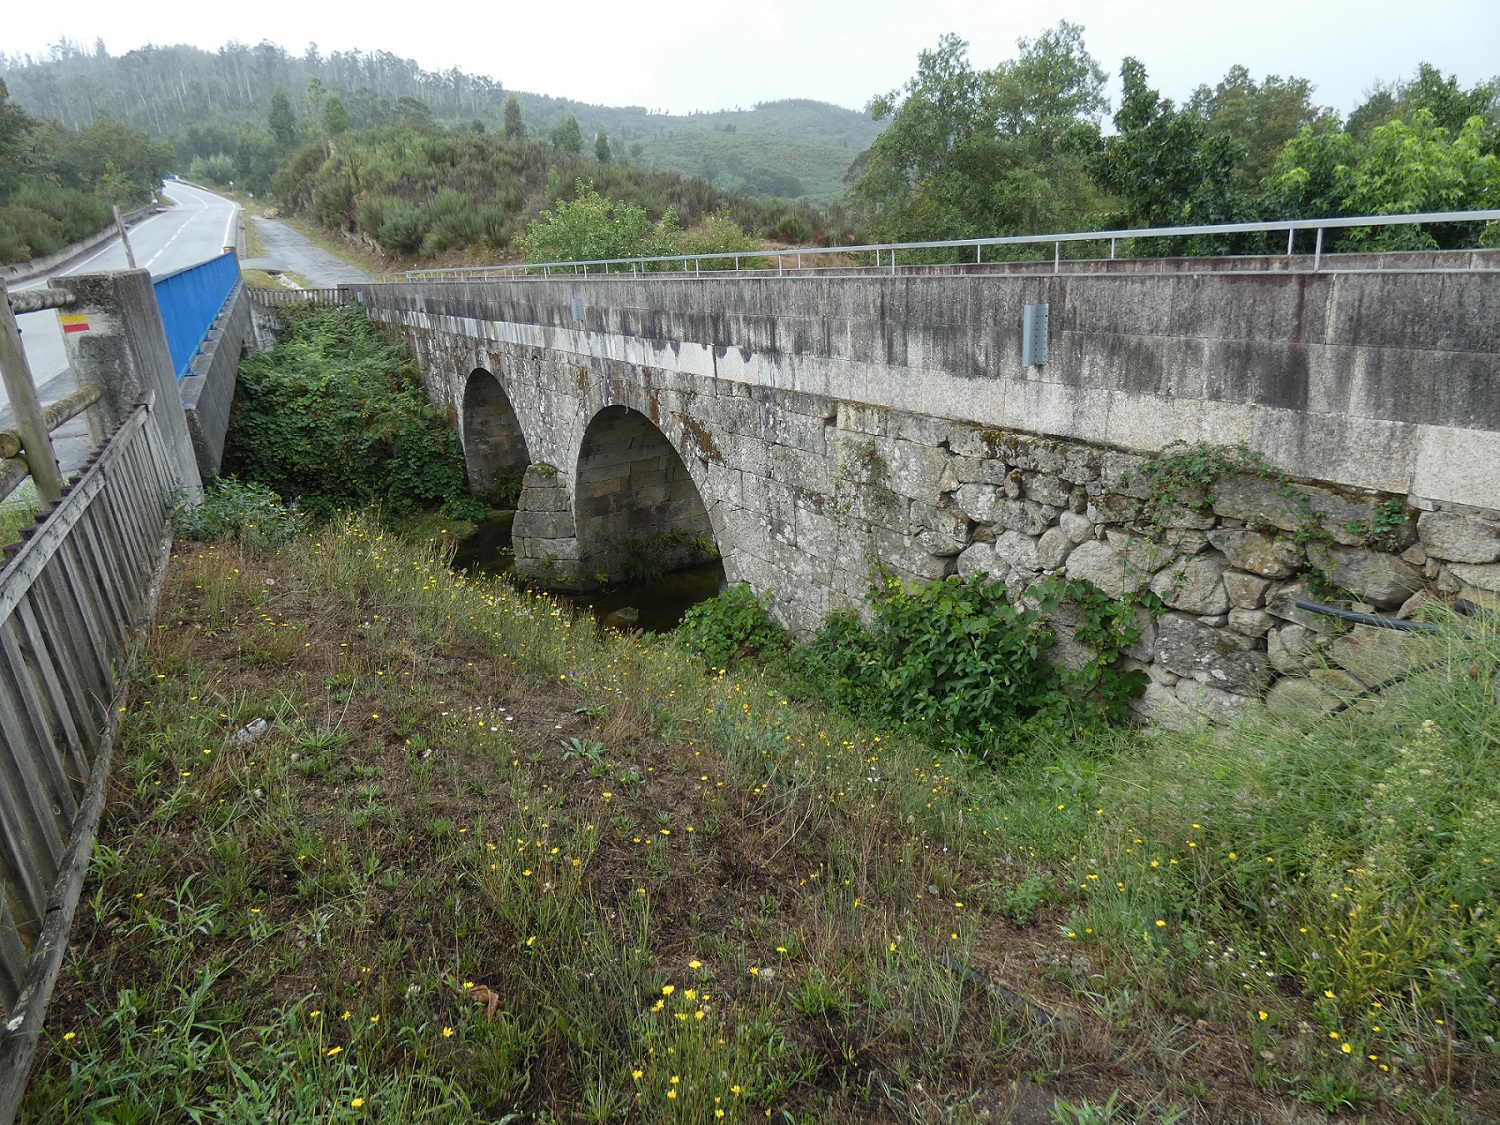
x: 272, y: 298
x: 190, y: 301
x: 886, y: 256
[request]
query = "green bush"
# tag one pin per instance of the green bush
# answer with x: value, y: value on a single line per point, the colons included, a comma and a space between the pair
x: 958, y: 661
x: 333, y: 418
x: 733, y: 625
x: 251, y: 513
x: 403, y: 227
x: 27, y: 233
x: 81, y: 213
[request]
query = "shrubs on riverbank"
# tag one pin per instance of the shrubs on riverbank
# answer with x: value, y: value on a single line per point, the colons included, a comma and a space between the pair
x: 334, y: 418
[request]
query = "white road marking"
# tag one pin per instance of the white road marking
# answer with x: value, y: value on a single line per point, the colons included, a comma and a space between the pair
x: 234, y: 213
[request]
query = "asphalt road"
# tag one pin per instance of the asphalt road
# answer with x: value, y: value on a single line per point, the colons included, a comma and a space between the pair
x: 196, y: 229
x: 285, y: 249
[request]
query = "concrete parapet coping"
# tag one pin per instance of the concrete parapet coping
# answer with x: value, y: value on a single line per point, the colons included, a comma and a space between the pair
x: 1381, y: 380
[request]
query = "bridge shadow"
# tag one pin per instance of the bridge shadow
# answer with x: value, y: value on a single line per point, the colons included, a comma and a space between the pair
x: 495, y: 452
x: 639, y: 515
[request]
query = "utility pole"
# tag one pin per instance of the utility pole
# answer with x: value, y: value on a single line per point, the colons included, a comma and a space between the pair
x: 124, y: 238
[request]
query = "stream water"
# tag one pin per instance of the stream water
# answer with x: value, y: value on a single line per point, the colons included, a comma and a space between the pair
x: 653, y: 607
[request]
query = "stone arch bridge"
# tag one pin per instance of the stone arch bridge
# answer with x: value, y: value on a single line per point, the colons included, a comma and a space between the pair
x: 805, y: 425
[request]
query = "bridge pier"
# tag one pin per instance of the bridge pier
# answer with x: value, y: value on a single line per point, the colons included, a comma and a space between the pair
x: 544, y: 534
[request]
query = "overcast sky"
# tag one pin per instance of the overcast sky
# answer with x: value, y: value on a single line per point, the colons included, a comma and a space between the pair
x: 680, y: 56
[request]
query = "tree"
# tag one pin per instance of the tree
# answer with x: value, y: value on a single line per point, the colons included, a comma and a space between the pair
x: 1163, y: 163
x: 115, y: 161
x: 1259, y: 117
x: 515, y: 129
x: 1450, y: 105
x: 15, y: 128
x: 282, y: 123
x: 566, y: 136
x: 335, y: 116
x: 601, y: 147
x: 1379, y: 106
x: 980, y: 152
x: 413, y: 111
x: 591, y: 227
x: 1402, y: 168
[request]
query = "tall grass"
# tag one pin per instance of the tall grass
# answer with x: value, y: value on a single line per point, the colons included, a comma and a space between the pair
x: 686, y: 893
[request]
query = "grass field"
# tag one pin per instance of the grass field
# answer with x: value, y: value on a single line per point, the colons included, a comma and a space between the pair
x: 486, y: 860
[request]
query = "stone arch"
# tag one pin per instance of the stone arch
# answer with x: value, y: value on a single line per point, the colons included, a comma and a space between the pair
x: 637, y: 510
x: 495, y: 452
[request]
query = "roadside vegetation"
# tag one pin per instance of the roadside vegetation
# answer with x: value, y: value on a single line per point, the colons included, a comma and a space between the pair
x: 58, y: 185
x: 17, y: 511
x: 388, y: 843
x: 333, y: 418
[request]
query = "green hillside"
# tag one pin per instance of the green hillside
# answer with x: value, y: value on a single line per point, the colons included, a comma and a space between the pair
x: 796, y: 149
x: 202, y: 101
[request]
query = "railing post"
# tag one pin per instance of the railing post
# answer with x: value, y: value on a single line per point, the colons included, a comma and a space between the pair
x: 1318, y: 252
x: 1057, y: 257
x: 36, y: 440
x: 124, y: 351
x: 1291, y: 235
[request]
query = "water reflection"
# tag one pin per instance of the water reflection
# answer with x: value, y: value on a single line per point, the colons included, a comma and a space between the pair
x: 654, y: 607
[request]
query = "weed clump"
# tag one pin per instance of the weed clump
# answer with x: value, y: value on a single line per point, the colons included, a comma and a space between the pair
x: 248, y: 513
x: 734, y: 625
x: 967, y: 667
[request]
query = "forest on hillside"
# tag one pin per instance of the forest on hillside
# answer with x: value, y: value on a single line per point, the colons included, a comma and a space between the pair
x: 58, y: 185
x: 208, y: 102
x: 447, y: 166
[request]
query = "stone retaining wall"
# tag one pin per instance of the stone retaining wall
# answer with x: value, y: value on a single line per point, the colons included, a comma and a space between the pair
x: 829, y: 422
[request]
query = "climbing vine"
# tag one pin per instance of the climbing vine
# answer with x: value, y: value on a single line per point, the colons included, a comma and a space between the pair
x: 1184, y: 475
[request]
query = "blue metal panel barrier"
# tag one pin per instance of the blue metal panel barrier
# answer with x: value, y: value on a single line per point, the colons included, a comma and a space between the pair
x: 190, y: 301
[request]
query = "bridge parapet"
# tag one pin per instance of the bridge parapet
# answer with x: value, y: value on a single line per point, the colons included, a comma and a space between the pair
x: 825, y: 420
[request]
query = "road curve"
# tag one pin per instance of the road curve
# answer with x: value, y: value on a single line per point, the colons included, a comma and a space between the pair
x: 196, y: 228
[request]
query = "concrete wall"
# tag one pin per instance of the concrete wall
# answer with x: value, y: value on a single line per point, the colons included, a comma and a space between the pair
x: 208, y: 388
x: 1385, y: 380
x: 824, y: 421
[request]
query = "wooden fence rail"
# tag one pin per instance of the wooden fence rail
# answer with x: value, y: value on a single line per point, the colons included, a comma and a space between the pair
x: 272, y: 297
x: 70, y: 597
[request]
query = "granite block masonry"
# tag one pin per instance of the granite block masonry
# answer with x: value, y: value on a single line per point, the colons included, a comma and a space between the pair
x: 810, y: 425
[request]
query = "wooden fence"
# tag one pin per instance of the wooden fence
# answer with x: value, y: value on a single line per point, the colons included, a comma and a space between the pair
x: 70, y: 596
x: 270, y: 298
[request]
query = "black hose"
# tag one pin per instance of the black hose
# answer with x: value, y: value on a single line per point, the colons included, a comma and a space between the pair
x: 1463, y: 607
x: 1372, y: 619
